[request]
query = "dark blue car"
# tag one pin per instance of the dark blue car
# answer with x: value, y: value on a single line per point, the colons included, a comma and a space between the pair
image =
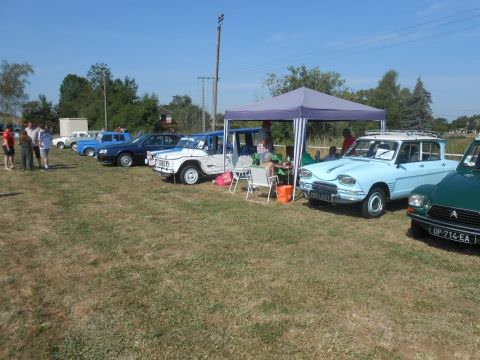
x: 135, y: 152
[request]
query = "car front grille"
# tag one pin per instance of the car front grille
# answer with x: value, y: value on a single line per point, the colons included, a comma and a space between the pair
x: 161, y: 163
x: 454, y: 215
x: 324, y: 188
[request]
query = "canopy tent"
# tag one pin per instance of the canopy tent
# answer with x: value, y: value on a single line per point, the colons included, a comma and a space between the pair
x: 300, y: 106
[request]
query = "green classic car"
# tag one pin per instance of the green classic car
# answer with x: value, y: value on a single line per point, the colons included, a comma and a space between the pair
x: 450, y: 209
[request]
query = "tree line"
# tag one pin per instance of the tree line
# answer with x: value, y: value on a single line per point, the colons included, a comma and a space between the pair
x: 83, y: 96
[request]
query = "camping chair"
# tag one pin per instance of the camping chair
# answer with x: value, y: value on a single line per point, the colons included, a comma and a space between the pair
x: 238, y: 174
x: 259, y: 178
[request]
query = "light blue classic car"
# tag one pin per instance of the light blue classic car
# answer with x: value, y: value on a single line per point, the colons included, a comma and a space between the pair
x: 378, y: 167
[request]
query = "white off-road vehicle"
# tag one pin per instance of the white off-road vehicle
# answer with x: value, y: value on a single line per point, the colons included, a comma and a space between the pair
x: 201, y: 155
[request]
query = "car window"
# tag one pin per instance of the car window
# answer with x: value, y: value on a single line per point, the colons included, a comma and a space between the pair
x: 169, y: 140
x: 430, y: 151
x: 119, y: 137
x: 409, y: 152
x: 373, y: 149
x: 472, y: 159
x: 107, y: 137
x: 154, y: 140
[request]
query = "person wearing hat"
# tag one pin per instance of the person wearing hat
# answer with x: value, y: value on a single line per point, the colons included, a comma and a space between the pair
x: 265, y: 143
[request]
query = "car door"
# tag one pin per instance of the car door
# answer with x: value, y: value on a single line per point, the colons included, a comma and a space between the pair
x: 215, y: 155
x: 409, y: 170
x: 435, y: 167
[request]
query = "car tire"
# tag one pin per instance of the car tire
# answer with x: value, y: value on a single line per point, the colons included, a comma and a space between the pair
x: 89, y: 152
x: 189, y: 175
x: 125, y: 160
x: 74, y: 146
x: 416, y: 230
x: 60, y: 145
x: 373, y: 206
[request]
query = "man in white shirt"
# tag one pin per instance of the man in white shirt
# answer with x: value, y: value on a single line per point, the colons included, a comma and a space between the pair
x: 34, y: 132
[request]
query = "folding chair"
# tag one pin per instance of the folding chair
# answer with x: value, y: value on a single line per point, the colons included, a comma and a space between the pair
x: 259, y: 178
x: 238, y: 174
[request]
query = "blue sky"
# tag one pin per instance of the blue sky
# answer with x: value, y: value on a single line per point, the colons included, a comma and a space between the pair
x: 166, y: 45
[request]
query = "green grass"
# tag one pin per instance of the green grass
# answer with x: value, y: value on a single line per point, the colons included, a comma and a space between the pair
x: 100, y: 262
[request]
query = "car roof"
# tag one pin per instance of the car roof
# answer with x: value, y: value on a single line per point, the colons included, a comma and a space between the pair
x: 400, y: 135
x: 220, y: 132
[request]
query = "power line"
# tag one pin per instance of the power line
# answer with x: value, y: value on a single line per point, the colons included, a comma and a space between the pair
x: 379, y: 38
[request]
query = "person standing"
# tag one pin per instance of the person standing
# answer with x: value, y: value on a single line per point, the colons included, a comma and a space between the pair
x: 348, y: 140
x: 265, y: 143
x: 27, y: 156
x: 8, y: 144
x: 45, y: 142
x: 33, y: 132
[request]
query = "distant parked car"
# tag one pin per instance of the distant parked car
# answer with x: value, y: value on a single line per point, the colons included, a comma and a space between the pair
x: 378, y: 167
x: 451, y: 208
x: 201, y: 155
x: 90, y: 147
x: 71, y: 140
x: 134, y: 152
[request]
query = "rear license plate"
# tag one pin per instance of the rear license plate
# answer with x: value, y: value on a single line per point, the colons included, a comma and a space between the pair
x: 453, y: 235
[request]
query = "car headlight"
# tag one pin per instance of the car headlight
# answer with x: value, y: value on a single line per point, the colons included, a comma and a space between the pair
x: 346, y: 180
x: 305, y: 173
x: 102, y: 151
x: 416, y: 200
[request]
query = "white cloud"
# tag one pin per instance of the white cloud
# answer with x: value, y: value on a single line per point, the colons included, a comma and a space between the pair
x: 436, y: 6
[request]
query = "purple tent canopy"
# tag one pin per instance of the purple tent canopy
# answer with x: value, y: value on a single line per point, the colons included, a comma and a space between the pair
x: 308, y: 104
x: 300, y: 106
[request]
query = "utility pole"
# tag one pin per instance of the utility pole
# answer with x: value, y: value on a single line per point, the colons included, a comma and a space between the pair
x: 105, y: 100
x: 215, y: 79
x: 203, y: 78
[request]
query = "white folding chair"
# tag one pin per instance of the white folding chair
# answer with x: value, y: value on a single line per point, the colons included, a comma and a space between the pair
x: 258, y: 179
x: 238, y: 175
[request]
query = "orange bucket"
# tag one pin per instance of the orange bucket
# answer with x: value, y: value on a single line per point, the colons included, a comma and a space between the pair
x: 284, y: 193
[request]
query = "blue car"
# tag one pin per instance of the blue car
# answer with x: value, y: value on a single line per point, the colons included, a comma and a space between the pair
x: 134, y: 152
x: 90, y: 147
x: 378, y: 167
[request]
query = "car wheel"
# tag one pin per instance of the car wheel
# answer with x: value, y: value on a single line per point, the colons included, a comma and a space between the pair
x: 74, y: 146
x: 416, y: 230
x: 89, y: 152
x: 125, y: 160
x: 374, y: 204
x: 189, y: 175
x: 61, y: 145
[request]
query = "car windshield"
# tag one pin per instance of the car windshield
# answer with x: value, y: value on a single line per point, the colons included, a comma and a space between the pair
x: 471, y: 159
x: 373, y: 149
x: 192, y: 142
x: 139, y: 139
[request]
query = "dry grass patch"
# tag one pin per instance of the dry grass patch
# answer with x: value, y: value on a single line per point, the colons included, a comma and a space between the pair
x: 118, y: 263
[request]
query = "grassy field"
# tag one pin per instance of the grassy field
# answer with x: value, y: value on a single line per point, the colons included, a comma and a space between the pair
x: 101, y: 262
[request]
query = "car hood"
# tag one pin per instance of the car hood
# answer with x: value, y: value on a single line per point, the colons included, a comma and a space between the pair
x: 458, y: 190
x: 160, y: 152
x: 329, y: 170
x: 177, y: 153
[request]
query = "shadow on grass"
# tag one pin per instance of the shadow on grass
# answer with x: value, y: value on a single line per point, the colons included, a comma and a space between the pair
x: 447, y: 245
x: 10, y: 194
x: 62, y: 166
x: 354, y: 209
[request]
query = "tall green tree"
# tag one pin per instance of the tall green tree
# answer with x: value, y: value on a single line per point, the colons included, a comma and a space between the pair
x: 387, y: 95
x: 418, y: 113
x: 75, y: 93
x: 327, y: 82
x: 13, y: 80
x: 187, y: 116
x: 41, y: 111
